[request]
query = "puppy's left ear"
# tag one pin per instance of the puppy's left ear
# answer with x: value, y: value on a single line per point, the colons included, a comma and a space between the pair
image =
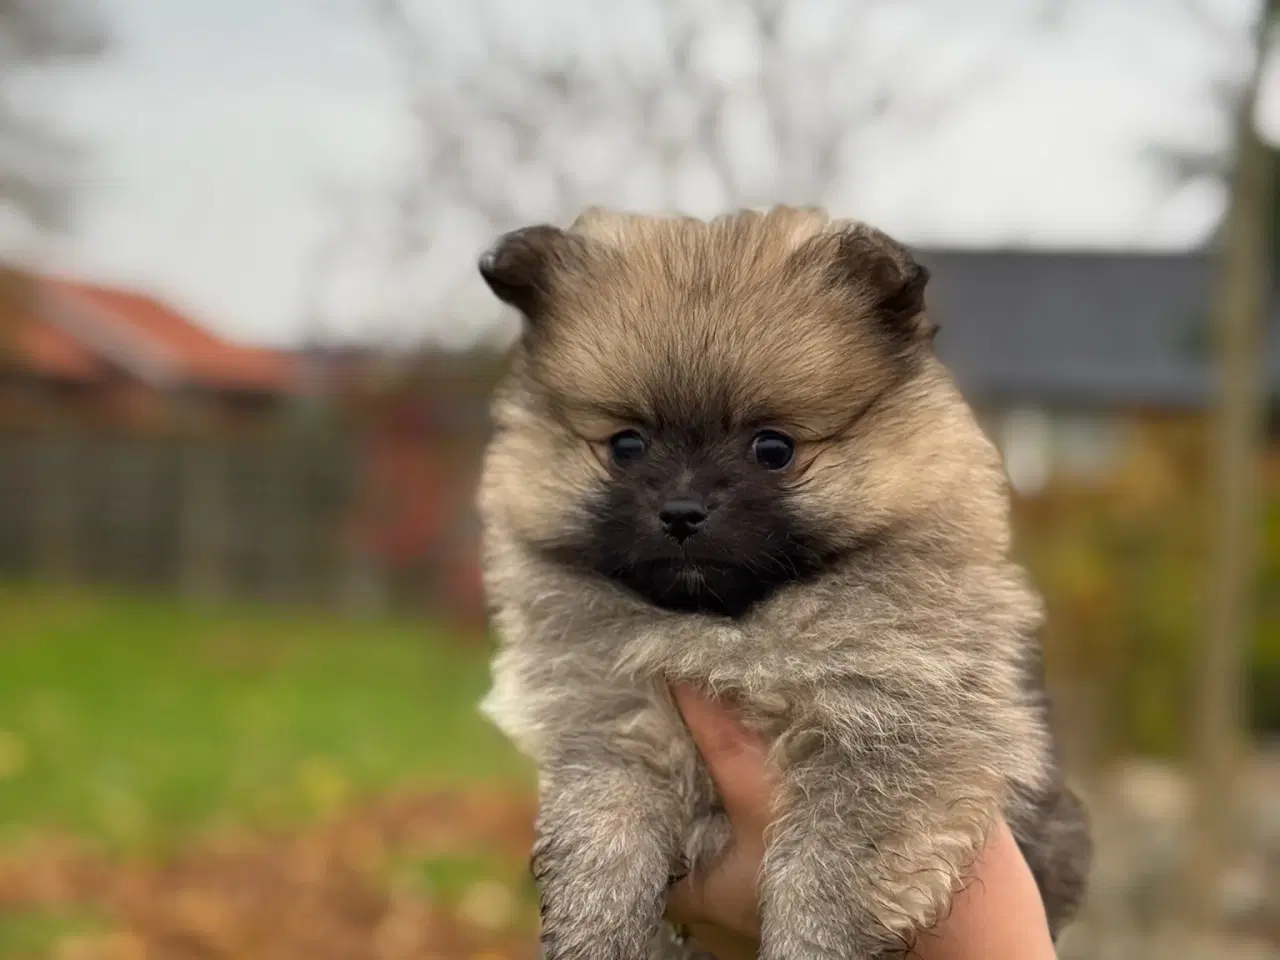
x: 886, y: 272
x: 524, y: 268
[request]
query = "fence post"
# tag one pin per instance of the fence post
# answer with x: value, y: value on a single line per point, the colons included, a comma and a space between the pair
x: 287, y: 500
x: 56, y: 478
x: 202, y: 541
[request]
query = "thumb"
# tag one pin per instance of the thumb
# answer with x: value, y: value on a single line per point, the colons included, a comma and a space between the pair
x: 736, y: 758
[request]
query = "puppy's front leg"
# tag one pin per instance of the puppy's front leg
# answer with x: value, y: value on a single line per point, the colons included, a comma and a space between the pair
x: 867, y: 851
x: 609, y: 838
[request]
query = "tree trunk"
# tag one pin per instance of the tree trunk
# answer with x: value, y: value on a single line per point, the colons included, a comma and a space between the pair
x: 1242, y: 300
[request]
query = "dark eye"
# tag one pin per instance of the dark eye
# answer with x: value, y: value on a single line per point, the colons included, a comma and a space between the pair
x: 627, y: 447
x: 773, y: 450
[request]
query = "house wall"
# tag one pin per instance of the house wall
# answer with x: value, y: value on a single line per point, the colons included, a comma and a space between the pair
x: 121, y: 403
x: 1042, y: 446
x: 28, y: 402
x: 1045, y: 446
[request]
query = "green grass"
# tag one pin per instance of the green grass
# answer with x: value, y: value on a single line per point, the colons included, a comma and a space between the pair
x: 33, y: 933
x: 134, y: 720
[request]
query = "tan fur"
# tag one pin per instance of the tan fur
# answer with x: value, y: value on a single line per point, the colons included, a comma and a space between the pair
x: 895, y: 688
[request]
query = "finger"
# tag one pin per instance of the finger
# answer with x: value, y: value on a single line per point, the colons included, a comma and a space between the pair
x: 727, y: 896
x: 736, y: 758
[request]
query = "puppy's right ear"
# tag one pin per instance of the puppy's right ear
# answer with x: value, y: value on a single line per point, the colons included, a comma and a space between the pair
x: 522, y: 267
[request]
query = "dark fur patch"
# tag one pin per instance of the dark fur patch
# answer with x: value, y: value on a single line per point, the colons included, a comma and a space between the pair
x: 750, y: 544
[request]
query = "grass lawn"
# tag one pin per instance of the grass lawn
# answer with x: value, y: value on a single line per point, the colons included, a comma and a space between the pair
x: 138, y: 721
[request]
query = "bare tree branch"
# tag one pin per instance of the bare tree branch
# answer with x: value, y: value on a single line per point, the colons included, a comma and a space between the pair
x: 503, y: 138
x: 38, y: 162
x: 1221, y: 90
x: 40, y: 32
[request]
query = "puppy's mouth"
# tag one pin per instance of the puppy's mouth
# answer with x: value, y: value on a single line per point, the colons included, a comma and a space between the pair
x: 695, y: 584
x: 694, y: 576
x: 700, y: 569
x: 688, y: 565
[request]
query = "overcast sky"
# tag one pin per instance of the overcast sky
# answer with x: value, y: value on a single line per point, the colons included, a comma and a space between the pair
x: 215, y: 129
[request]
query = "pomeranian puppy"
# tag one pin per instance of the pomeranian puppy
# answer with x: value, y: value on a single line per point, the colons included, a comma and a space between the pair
x: 726, y: 454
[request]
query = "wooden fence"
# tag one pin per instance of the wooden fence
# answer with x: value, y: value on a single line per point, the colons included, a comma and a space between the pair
x: 264, y: 518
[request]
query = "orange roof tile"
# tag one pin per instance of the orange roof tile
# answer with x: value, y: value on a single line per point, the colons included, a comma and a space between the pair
x: 49, y: 352
x: 199, y: 356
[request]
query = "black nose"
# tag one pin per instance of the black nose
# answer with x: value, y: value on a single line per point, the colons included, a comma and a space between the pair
x: 681, y: 518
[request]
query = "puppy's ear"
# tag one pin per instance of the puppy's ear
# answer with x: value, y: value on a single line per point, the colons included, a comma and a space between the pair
x: 522, y: 267
x: 885, y: 271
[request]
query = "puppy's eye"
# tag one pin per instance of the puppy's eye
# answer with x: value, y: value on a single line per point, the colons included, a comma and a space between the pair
x: 627, y: 447
x: 773, y: 450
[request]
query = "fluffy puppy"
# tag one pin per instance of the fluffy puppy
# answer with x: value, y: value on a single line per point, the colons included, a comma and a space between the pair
x: 726, y: 454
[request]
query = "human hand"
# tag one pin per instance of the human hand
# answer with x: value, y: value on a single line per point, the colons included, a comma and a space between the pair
x: 998, y: 914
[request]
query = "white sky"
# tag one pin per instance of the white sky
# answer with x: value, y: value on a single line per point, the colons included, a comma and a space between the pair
x: 215, y: 128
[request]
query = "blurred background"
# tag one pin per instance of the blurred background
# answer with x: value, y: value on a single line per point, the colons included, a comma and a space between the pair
x: 244, y: 362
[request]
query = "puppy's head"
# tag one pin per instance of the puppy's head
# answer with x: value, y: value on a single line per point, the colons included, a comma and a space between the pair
x: 703, y: 412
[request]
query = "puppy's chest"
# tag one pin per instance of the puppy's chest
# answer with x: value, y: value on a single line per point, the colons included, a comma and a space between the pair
x: 657, y: 722
x: 727, y: 657
x: 655, y: 730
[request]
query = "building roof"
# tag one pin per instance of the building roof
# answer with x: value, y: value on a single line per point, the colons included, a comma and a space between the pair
x: 49, y: 352
x: 1102, y: 329
x: 80, y: 331
x: 1108, y: 329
